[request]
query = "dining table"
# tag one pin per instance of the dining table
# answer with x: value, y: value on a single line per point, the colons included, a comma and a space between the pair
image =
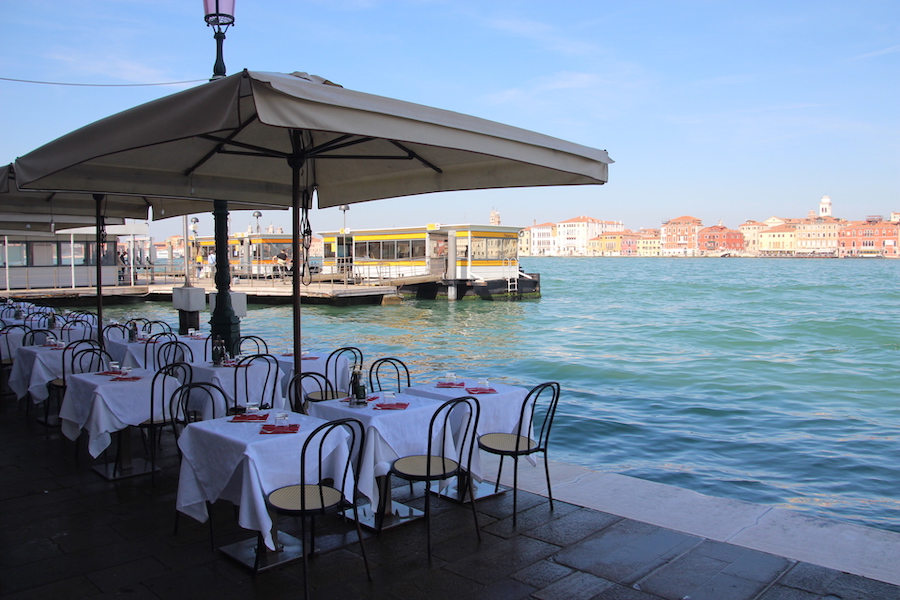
x: 235, y: 388
x: 102, y: 403
x: 314, y: 362
x: 501, y: 406
x: 131, y: 354
x: 396, y: 426
x: 33, y: 368
x: 233, y: 459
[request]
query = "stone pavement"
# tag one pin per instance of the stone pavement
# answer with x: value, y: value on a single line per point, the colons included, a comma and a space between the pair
x: 67, y: 533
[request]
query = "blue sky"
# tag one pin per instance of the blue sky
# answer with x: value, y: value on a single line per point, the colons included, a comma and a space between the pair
x: 715, y: 109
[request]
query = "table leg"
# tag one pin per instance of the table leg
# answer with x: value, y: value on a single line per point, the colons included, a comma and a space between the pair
x: 388, y: 514
x: 128, y: 464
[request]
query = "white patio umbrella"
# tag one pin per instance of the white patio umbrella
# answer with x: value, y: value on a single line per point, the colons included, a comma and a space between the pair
x: 277, y: 138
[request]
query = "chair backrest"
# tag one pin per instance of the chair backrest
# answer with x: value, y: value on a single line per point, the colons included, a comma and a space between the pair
x: 173, y: 352
x: 453, y: 430
x: 250, y: 344
x: 194, y: 402
x: 317, y: 459
x: 37, y: 337
x: 246, y: 378
x: 386, y: 371
x: 152, y: 345
x: 84, y: 315
x: 540, y: 402
x: 137, y: 323
x: 302, y: 384
x: 76, y: 329
x: 151, y: 327
x: 116, y: 331
x: 166, y: 380
x: 71, y: 349
x: 354, y: 358
x: 37, y: 320
x: 207, y: 347
x: 6, y: 349
x: 90, y: 360
x: 8, y: 312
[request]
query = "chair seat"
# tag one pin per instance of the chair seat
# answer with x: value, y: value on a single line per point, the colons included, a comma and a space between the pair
x: 507, y: 443
x: 57, y: 383
x: 417, y: 467
x: 289, y: 499
x: 6, y: 362
x: 319, y: 396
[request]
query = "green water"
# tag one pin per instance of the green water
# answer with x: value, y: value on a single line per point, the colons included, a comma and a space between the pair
x: 768, y: 380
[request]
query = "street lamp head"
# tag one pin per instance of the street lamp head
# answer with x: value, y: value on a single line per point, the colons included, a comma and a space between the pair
x: 195, y: 220
x: 219, y: 14
x: 344, y: 207
x: 257, y: 214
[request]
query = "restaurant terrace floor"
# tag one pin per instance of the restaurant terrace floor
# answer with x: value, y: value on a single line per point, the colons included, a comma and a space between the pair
x: 68, y: 533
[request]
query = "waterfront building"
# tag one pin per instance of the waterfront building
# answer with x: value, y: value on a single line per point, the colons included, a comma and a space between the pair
x: 615, y: 243
x: 525, y: 242
x: 648, y: 243
x: 750, y: 230
x: 678, y: 237
x: 776, y: 221
x: 871, y: 238
x: 573, y: 234
x: 780, y: 240
x: 720, y: 240
x: 818, y: 235
x: 542, y: 239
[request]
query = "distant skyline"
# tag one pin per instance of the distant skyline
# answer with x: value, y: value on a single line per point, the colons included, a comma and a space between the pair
x: 719, y: 110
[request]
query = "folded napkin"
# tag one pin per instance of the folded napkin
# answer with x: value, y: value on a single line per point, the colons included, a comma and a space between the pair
x: 292, y: 428
x: 392, y: 406
x: 287, y: 353
x: 249, y: 418
x: 309, y: 358
x: 108, y: 373
x: 129, y: 378
x: 450, y: 384
x: 480, y: 390
x: 369, y: 399
x: 149, y: 341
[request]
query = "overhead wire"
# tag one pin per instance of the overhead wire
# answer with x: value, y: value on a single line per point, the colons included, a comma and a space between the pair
x: 100, y: 84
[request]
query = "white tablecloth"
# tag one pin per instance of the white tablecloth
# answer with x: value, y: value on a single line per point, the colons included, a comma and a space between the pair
x: 314, y: 362
x: 101, y: 406
x: 499, y: 412
x: 390, y: 434
x: 234, y: 462
x: 131, y: 354
x: 224, y: 378
x: 34, y: 367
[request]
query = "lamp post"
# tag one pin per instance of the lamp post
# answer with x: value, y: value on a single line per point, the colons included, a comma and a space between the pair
x: 257, y: 215
x: 257, y: 246
x: 219, y: 15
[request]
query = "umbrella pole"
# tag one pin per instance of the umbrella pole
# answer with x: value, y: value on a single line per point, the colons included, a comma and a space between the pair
x: 101, y: 241
x: 296, y: 209
x: 223, y: 322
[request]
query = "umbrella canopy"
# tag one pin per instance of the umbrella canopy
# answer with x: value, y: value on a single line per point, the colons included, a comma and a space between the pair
x: 61, y: 205
x: 218, y: 140
x: 356, y: 147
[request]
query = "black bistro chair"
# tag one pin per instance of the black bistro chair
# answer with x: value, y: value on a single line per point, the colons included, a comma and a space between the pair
x: 541, y: 400
x: 333, y: 372
x: 300, y: 387
x: 447, y: 455
x: 245, y: 380
x: 387, y: 374
x: 329, y: 496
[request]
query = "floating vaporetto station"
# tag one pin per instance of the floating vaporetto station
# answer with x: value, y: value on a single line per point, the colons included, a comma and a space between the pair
x: 433, y: 261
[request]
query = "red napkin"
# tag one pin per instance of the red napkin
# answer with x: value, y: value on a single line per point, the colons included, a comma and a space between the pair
x: 450, y: 384
x: 249, y: 418
x: 149, y: 341
x: 130, y: 378
x: 108, y: 373
x: 287, y: 353
x: 392, y: 406
x: 292, y: 428
x: 480, y: 390
x: 309, y: 358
